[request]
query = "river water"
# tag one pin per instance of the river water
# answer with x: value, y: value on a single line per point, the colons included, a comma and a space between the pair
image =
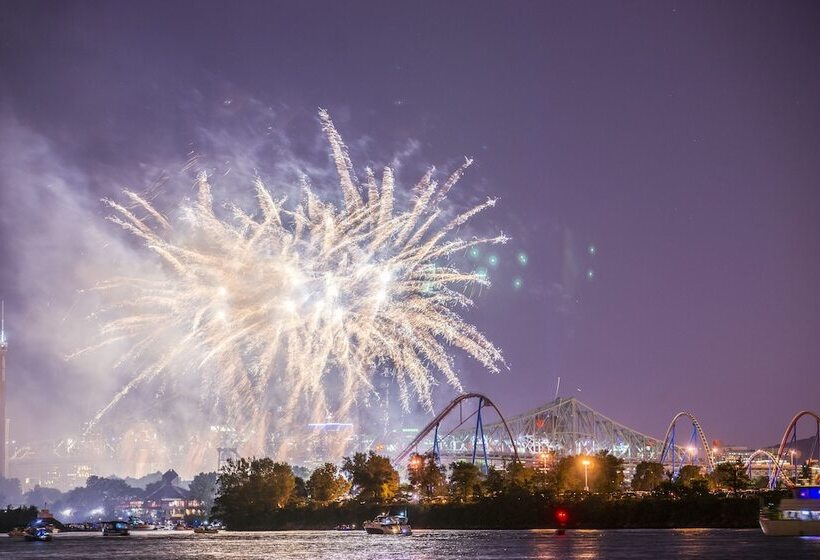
x: 424, y: 545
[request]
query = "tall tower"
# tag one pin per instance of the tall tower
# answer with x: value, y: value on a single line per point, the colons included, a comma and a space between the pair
x: 3, y: 349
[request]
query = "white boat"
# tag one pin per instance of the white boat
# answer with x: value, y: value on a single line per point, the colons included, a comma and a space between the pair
x: 388, y: 525
x: 17, y: 533
x: 115, y: 528
x: 140, y: 525
x: 796, y: 516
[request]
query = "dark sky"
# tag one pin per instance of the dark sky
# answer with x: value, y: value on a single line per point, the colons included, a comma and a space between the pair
x: 680, y: 139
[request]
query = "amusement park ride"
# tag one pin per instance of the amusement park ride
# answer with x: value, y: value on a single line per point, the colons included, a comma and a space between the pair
x: 472, y: 428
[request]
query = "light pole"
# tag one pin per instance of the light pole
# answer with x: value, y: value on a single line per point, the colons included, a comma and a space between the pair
x: 544, y: 455
x: 693, y: 452
x: 585, y: 462
x: 414, y: 471
x: 416, y: 464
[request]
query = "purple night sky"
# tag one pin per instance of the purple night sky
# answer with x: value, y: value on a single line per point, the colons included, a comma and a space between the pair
x: 679, y: 139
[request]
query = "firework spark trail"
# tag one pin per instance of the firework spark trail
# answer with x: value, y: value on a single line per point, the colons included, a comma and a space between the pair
x: 293, y: 298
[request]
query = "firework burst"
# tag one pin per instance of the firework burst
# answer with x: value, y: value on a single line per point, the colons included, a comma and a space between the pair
x: 267, y: 311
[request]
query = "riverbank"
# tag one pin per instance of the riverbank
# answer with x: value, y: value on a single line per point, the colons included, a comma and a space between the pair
x: 530, y: 512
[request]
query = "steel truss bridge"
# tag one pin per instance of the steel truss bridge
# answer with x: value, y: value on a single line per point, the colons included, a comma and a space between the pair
x: 562, y: 427
x: 472, y: 428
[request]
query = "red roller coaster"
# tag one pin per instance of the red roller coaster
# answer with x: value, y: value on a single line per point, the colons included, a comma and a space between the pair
x: 788, y: 442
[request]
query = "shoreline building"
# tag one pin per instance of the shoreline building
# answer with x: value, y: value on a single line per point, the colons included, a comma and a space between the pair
x: 166, y: 503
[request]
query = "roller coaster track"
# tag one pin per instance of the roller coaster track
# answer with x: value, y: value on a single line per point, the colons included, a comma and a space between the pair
x: 791, y: 431
x: 775, y: 464
x: 710, y: 458
x: 433, y: 425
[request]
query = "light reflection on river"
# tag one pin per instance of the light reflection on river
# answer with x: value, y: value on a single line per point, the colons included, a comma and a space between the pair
x: 423, y: 545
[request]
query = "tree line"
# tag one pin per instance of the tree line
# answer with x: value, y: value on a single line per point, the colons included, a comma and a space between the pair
x: 251, y: 492
x: 247, y: 490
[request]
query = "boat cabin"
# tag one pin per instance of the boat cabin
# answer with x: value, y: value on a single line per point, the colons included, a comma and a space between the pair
x: 804, y: 505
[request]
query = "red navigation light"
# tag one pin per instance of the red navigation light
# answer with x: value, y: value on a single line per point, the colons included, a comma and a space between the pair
x: 561, y: 516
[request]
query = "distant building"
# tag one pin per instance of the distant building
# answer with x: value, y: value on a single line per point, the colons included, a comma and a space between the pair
x: 167, y: 502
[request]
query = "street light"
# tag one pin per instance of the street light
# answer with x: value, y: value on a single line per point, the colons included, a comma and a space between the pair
x: 586, y: 464
x: 693, y: 451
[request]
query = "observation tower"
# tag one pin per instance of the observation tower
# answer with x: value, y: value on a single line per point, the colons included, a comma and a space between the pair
x: 3, y: 349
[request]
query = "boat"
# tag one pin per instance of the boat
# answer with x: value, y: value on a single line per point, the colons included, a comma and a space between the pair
x: 206, y: 530
x: 795, y: 516
x: 180, y: 527
x: 140, y: 525
x: 115, y: 529
x: 38, y: 534
x: 81, y: 528
x: 17, y: 533
x: 388, y: 525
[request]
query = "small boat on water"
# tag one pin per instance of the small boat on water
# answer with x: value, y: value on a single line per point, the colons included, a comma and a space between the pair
x: 205, y: 530
x: 388, y: 525
x: 140, y: 525
x: 795, y: 516
x: 115, y: 529
x: 17, y: 533
x: 38, y: 534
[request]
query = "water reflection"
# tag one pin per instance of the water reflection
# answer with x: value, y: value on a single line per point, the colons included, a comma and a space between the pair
x: 424, y: 545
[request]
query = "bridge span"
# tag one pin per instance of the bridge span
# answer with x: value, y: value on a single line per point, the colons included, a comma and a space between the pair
x: 472, y: 428
x: 565, y: 426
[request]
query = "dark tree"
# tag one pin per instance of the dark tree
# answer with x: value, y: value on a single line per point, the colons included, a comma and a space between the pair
x: 373, y: 477
x: 249, y: 489
x: 519, y: 478
x: 648, y: 476
x: 730, y: 476
x: 300, y: 493
x: 427, y: 477
x: 99, y: 492
x: 465, y: 481
x: 610, y: 479
x: 203, y: 488
x: 16, y: 517
x: 326, y: 484
x: 570, y: 473
x: 689, y: 475
x: 494, y: 482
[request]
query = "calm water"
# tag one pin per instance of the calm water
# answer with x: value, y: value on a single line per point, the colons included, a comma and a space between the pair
x: 473, y: 545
